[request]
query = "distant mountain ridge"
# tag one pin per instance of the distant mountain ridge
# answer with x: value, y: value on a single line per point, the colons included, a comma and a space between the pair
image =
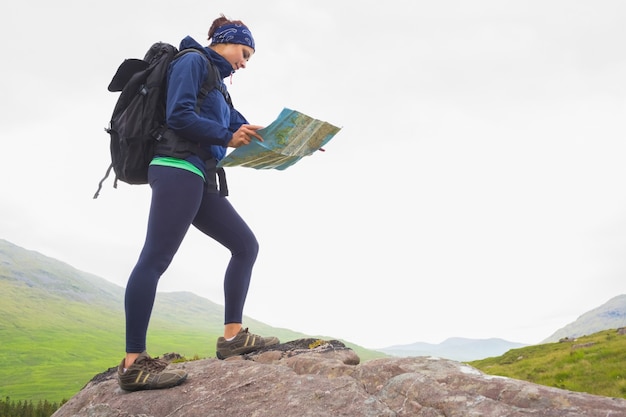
x: 51, y: 279
x: 60, y: 326
x: 610, y: 315
x: 456, y: 348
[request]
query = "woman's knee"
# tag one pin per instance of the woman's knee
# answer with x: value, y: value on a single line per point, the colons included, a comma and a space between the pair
x: 249, y: 249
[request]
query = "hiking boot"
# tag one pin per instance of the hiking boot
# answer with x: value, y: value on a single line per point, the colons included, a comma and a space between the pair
x: 148, y: 373
x: 244, y: 342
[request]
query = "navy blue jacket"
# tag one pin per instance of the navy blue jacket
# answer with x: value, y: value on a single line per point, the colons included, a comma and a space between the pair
x: 214, y: 125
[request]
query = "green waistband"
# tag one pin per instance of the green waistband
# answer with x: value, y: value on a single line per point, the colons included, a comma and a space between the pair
x: 167, y: 161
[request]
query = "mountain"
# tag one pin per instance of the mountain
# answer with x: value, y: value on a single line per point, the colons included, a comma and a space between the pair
x: 610, y: 315
x: 60, y: 326
x: 455, y: 348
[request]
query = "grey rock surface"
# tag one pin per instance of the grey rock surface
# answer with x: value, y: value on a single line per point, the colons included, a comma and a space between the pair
x: 324, y: 378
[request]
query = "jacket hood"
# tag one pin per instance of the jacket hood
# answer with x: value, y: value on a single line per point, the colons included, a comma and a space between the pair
x: 223, y: 66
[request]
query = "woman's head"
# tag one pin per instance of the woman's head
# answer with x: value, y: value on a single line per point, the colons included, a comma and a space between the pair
x: 233, y: 40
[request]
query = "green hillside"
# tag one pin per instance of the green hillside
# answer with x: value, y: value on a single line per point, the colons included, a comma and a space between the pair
x: 593, y: 364
x: 59, y: 326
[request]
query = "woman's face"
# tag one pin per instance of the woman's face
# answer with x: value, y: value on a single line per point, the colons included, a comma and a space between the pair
x: 237, y: 54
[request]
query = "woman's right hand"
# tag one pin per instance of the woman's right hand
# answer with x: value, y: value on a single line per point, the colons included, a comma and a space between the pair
x: 244, y: 135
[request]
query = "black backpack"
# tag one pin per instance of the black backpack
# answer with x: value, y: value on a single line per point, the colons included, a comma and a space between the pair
x: 137, y: 127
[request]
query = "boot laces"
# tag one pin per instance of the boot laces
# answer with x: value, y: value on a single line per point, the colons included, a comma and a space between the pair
x: 153, y: 364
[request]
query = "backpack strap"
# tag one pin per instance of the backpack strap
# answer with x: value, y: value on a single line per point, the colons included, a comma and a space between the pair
x: 106, y: 175
x: 169, y: 142
x: 211, y: 81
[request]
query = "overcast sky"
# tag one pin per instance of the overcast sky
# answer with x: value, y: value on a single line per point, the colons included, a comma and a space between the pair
x: 477, y: 187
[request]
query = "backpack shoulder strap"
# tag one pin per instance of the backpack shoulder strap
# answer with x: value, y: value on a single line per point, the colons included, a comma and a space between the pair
x: 169, y: 143
x: 212, y: 80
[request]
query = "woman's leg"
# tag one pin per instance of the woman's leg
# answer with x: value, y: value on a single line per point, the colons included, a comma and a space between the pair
x: 176, y: 197
x: 218, y: 219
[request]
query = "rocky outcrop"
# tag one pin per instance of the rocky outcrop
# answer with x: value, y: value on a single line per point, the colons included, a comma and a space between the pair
x: 318, y: 378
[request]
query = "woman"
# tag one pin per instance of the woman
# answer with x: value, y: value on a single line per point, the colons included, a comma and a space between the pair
x: 185, y: 192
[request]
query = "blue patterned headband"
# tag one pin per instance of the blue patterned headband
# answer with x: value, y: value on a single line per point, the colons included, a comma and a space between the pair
x: 233, y: 33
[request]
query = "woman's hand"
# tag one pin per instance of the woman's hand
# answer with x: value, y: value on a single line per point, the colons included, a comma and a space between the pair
x: 244, y: 135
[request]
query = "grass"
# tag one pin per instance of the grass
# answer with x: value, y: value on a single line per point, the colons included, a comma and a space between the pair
x: 51, y: 346
x: 593, y: 364
x: 59, y: 327
x: 50, y: 356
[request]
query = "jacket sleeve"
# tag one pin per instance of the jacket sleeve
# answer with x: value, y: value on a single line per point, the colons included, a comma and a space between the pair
x: 236, y: 120
x: 186, y: 75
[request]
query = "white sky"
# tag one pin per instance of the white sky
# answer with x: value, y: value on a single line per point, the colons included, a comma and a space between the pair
x: 477, y: 188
